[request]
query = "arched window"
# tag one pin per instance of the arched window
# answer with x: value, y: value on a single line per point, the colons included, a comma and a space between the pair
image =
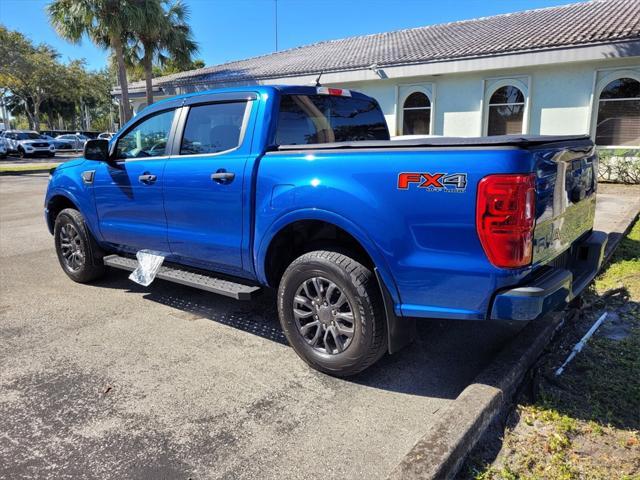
x: 619, y: 113
x: 506, y: 111
x: 416, y: 114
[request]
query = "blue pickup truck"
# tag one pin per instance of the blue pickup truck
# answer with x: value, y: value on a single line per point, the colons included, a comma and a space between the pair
x: 300, y: 189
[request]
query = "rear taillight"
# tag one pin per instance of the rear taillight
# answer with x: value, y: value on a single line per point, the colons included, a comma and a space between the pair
x: 505, y: 218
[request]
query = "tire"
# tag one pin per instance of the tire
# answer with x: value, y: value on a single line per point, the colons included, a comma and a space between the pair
x: 367, y: 326
x: 78, y: 253
x: 21, y: 152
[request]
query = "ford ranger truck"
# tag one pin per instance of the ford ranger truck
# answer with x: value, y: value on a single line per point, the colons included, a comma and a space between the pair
x: 300, y: 189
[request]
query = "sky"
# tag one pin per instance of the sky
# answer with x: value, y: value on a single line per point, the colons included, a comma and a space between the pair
x: 229, y: 30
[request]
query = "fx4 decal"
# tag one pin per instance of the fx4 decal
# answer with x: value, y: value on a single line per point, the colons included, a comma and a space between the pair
x: 441, y: 182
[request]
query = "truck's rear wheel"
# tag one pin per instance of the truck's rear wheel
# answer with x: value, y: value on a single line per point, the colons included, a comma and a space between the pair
x: 76, y: 248
x: 331, y: 312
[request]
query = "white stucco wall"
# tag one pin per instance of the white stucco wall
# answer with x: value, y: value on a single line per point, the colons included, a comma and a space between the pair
x: 559, y: 97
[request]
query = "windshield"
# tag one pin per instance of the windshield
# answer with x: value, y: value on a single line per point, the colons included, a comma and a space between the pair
x: 305, y: 119
x: 28, y: 136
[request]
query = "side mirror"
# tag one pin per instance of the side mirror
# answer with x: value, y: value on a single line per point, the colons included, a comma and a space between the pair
x: 97, y: 150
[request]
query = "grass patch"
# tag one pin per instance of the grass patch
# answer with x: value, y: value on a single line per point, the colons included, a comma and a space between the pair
x: 27, y: 167
x: 583, y: 424
x: 624, y: 268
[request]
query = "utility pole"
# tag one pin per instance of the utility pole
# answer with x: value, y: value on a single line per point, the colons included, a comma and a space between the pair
x: 276, y: 5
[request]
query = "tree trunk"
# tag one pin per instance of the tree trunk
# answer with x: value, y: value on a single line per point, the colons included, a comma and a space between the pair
x: 28, y: 112
x: 5, y: 114
x: 122, y: 78
x: 87, y: 116
x: 120, y: 115
x: 36, y: 114
x: 148, y: 74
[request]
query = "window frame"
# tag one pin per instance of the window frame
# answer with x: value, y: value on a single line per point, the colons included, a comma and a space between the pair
x: 182, y: 125
x: 404, y: 92
x: 492, y: 85
x: 599, y: 86
x: 138, y: 121
x: 275, y: 125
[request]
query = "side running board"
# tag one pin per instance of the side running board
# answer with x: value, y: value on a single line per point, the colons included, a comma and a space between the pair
x: 190, y: 278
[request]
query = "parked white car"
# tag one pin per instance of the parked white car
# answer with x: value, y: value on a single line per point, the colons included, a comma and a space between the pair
x: 106, y: 135
x: 77, y: 140
x: 27, y: 143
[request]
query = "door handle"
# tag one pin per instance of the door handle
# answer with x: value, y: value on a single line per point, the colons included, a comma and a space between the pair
x: 147, y: 178
x: 223, y: 177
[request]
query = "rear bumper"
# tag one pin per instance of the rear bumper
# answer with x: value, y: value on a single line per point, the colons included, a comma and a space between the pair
x: 555, y: 287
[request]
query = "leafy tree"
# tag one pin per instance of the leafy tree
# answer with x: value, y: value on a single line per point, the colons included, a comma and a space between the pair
x: 164, y: 38
x: 171, y: 66
x: 31, y: 74
x: 135, y: 71
x: 35, y: 87
x: 107, y: 23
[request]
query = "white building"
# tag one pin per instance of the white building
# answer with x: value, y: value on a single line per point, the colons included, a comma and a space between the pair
x: 573, y: 69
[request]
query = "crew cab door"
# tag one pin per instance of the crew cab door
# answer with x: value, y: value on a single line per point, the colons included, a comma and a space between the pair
x: 206, y: 195
x: 128, y: 192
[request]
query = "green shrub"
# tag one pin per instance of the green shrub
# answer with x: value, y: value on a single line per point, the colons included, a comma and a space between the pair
x: 619, y: 165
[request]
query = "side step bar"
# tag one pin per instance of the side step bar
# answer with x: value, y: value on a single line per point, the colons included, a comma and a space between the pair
x: 189, y: 278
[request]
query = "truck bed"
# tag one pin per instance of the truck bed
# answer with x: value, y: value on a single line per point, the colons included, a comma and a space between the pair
x: 429, y: 230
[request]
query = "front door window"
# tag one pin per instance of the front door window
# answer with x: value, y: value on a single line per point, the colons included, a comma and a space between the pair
x: 146, y: 139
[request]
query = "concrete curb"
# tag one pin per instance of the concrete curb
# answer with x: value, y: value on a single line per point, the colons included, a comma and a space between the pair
x: 441, y: 451
x: 439, y: 454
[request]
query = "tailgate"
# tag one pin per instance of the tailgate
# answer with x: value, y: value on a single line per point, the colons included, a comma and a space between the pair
x: 566, y: 196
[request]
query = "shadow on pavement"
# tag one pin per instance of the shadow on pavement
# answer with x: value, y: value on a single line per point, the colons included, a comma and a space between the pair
x: 445, y: 358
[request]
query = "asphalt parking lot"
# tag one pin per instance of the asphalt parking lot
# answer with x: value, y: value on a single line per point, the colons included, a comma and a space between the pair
x: 112, y: 379
x: 115, y: 380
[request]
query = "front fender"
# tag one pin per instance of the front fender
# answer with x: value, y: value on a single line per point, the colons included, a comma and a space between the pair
x: 263, y: 240
x: 68, y: 183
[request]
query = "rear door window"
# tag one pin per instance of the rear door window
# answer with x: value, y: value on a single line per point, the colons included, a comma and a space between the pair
x: 305, y: 119
x: 213, y: 128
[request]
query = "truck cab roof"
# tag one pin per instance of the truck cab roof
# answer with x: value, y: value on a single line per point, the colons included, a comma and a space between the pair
x: 261, y: 90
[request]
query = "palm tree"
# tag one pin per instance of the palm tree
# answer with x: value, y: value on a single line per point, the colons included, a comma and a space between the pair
x: 164, y: 36
x: 107, y: 23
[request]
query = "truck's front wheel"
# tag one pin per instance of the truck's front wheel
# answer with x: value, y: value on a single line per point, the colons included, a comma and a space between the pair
x: 76, y: 248
x: 331, y: 312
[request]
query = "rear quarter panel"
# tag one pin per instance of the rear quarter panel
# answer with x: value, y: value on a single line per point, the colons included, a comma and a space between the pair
x: 425, y: 238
